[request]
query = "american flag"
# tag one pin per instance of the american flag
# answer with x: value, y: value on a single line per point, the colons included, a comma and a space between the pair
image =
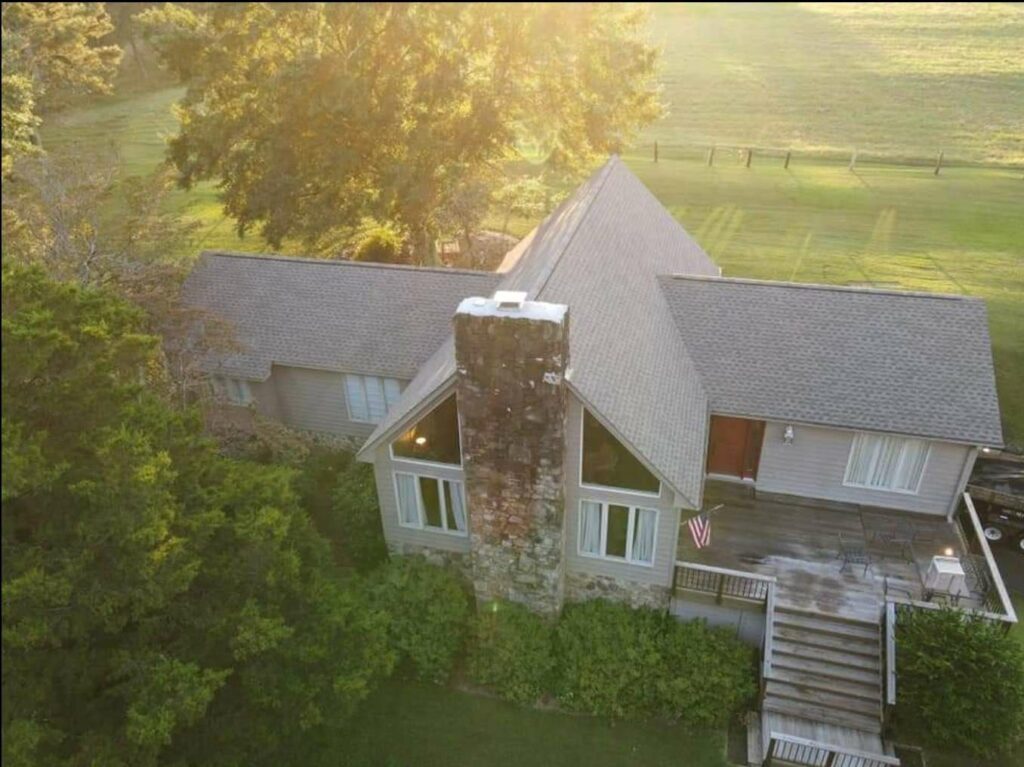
x: 700, y: 529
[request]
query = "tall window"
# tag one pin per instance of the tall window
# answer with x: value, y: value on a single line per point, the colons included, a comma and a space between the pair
x: 430, y: 503
x: 612, y: 531
x: 435, y: 438
x: 235, y: 390
x: 369, y: 397
x: 886, y: 463
x: 608, y: 463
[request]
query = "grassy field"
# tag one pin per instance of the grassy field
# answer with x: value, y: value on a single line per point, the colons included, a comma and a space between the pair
x: 899, y: 80
x: 405, y: 724
x: 904, y: 79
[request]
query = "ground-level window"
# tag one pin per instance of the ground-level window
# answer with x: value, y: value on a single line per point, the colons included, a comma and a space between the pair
x: 235, y: 390
x: 613, y: 531
x: 435, y: 437
x: 606, y: 462
x: 369, y: 397
x: 882, y: 462
x: 430, y: 503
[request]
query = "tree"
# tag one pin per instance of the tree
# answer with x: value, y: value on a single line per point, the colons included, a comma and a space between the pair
x: 160, y: 602
x: 313, y: 116
x: 52, y: 52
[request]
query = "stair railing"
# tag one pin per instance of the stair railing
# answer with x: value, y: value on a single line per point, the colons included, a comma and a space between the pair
x: 791, y: 750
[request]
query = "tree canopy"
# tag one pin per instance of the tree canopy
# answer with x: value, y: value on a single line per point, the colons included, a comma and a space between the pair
x: 314, y: 116
x: 160, y: 602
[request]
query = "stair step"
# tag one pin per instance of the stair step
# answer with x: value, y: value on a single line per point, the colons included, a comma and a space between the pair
x: 825, y: 669
x: 823, y: 698
x: 822, y: 714
x: 836, y: 657
x: 785, y: 609
x: 827, y: 641
x: 870, y: 691
x: 810, y: 622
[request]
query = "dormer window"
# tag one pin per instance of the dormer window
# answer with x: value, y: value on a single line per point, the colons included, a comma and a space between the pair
x: 608, y: 463
x: 434, y: 438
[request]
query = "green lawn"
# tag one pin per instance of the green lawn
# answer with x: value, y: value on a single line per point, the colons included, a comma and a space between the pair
x: 404, y: 724
x: 907, y: 79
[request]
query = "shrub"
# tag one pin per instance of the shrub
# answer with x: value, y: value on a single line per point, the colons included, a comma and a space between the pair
x: 428, y: 612
x: 618, y: 661
x: 511, y: 652
x: 356, y: 514
x: 960, y: 682
x: 380, y: 243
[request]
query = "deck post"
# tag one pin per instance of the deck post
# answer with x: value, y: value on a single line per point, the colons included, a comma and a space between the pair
x: 771, y: 753
x: 720, y: 588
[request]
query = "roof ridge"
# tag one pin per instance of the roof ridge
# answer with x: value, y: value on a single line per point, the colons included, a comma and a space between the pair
x: 602, y: 179
x: 821, y: 286
x: 342, y: 262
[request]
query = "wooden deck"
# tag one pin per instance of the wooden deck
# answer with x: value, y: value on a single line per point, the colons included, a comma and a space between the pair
x: 799, y: 545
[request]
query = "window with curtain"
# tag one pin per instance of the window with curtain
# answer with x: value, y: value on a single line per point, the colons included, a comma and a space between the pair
x: 882, y: 462
x: 236, y: 390
x: 617, y: 532
x: 370, y: 397
x: 430, y: 503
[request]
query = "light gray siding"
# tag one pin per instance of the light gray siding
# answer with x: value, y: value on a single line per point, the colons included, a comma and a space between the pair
x: 668, y: 518
x: 815, y: 463
x: 313, y: 400
x: 395, y: 534
x: 265, y: 395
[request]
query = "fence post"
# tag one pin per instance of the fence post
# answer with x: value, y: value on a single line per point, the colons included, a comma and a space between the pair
x: 853, y: 160
x: 789, y: 152
x: 655, y: 151
x: 938, y: 162
x: 711, y: 156
x: 720, y: 589
x: 750, y: 155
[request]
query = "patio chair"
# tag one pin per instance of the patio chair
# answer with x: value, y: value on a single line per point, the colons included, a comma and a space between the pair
x: 853, y: 553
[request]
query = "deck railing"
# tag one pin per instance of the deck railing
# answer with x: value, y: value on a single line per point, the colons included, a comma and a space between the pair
x: 997, y: 603
x: 889, y: 660
x: 766, y: 646
x: 791, y: 750
x: 721, y: 582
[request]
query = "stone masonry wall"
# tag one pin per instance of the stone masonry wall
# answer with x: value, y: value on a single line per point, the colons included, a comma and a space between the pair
x: 581, y: 587
x: 512, y: 405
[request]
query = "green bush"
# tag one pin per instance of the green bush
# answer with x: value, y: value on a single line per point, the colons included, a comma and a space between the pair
x: 379, y: 243
x: 356, y: 513
x: 960, y: 682
x: 618, y: 661
x: 511, y: 652
x: 428, y: 612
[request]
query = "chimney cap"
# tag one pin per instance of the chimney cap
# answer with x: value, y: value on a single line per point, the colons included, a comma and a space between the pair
x: 510, y: 299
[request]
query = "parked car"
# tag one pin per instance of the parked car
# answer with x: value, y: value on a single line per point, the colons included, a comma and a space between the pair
x: 997, y: 488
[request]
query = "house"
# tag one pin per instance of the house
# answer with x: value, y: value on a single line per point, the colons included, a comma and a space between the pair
x: 550, y: 428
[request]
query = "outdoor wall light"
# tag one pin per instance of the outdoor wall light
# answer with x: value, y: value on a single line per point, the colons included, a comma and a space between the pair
x: 788, y: 434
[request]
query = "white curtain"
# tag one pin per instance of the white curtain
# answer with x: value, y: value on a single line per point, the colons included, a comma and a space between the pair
x: 458, y: 505
x: 375, y: 403
x: 392, y: 391
x: 408, y: 513
x: 886, y: 463
x: 590, y: 527
x: 643, y: 535
x: 886, y: 460
x: 358, y: 410
x: 908, y: 476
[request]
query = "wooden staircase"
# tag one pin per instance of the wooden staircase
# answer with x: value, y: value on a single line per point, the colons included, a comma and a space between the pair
x: 825, y: 669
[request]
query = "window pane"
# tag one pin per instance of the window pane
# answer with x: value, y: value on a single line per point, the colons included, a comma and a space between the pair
x: 643, y: 535
x: 590, y: 527
x: 908, y: 478
x: 407, y: 512
x: 860, y: 460
x: 356, y: 397
x: 618, y: 528
x: 887, y: 462
x: 431, y: 502
x: 392, y: 391
x: 374, y: 398
x: 456, y: 506
x: 607, y: 462
x: 435, y: 438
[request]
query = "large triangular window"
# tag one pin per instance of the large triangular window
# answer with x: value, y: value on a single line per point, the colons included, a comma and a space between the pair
x: 609, y: 463
x: 434, y: 438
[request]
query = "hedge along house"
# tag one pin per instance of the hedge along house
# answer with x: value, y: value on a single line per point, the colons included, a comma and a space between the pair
x: 548, y: 428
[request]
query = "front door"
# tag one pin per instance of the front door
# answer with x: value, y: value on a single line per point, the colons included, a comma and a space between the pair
x: 734, y: 446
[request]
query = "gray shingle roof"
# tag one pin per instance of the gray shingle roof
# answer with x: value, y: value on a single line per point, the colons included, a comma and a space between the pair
x: 331, y: 315
x: 600, y: 252
x: 910, y: 363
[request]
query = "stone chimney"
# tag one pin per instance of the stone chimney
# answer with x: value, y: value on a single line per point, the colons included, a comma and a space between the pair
x: 511, y: 356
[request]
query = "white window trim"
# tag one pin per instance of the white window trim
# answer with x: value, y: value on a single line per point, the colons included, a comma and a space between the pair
x: 924, y: 465
x: 628, y: 559
x: 609, y: 488
x: 362, y: 382
x: 431, y: 464
x: 419, y: 505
